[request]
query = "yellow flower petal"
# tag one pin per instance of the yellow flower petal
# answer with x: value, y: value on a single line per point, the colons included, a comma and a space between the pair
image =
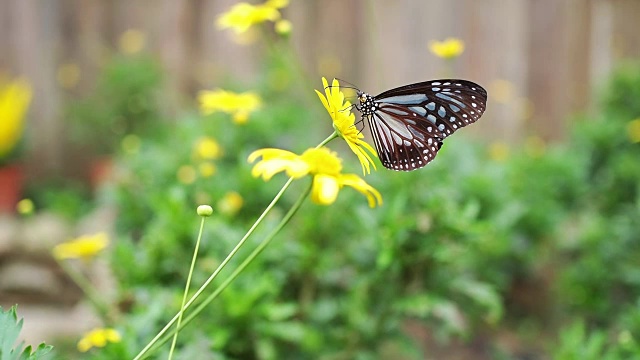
x: 277, y: 4
x: 15, y: 97
x: 132, y: 41
x: 207, y: 169
x: 207, y: 148
x: 276, y: 160
x: 344, y: 123
x: 283, y: 27
x: 241, y: 117
x: 324, y: 190
x: 98, y: 338
x: 230, y: 203
x: 25, y: 207
x: 82, y: 247
x: 322, y: 161
x: 239, y: 105
x: 243, y: 15
x: 447, y: 49
x: 354, y: 181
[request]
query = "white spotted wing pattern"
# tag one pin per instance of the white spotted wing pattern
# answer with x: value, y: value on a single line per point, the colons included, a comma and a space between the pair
x: 409, y: 123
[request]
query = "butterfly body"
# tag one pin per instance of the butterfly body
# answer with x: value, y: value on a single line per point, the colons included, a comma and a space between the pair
x: 409, y: 123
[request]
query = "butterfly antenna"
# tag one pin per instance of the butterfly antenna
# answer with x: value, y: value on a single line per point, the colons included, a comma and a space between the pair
x: 350, y: 107
x: 350, y: 85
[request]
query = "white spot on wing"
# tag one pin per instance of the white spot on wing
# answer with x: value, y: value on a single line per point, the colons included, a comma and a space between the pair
x: 404, y: 99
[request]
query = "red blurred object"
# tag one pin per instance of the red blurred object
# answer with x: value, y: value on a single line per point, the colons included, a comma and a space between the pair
x: 11, y: 179
x: 101, y: 171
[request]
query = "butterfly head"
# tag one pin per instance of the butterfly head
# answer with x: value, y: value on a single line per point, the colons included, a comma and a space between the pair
x: 367, y: 104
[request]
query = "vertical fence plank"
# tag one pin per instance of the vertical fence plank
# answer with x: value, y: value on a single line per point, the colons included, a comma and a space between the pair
x: 626, y: 29
x: 548, y: 50
x: 34, y: 43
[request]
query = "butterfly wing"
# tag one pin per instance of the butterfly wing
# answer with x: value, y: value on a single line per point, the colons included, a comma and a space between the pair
x: 403, y: 139
x: 410, y: 122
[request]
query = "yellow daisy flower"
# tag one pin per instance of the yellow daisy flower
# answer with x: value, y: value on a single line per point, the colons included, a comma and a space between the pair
x: 344, y: 123
x: 323, y: 164
x: 15, y: 97
x: 283, y: 27
x: 207, y: 148
x: 447, y: 49
x: 239, y: 105
x: 98, y: 338
x: 25, y: 207
x: 243, y: 15
x: 230, y: 203
x: 85, y: 247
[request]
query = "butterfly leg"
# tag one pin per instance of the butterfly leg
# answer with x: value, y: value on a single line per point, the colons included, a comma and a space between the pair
x: 359, y: 122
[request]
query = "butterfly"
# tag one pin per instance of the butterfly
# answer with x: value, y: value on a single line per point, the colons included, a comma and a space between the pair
x: 409, y: 123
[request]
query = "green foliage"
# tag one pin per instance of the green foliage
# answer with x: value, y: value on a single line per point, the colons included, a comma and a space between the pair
x: 10, y: 328
x: 66, y: 198
x: 124, y: 102
x: 577, y: 342
x: 455, y: 247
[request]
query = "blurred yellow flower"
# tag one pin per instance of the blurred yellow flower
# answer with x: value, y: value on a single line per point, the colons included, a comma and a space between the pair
x: 238, y: 105
x: 323, y: 164
x: 447, y: 49
x: 633, y: 130
x: 132, y: 41
x: 230, y: 203
x: 535, y: 146
x: 186, y: 174
x: 207, y: 169
x: 501, y: 90
x: 498, y: 151
x: 98, y: 338
x: 85, y: 247
x: 25, y: 207
x: 15, y: 97
x: 277, y: 4
x: 131, y: 144
x: 244, y: 15
x: 207, y: 148
x: 344, y: 123
x: 283, y: 27
x: 329, y: 64
x: 68, y: 75
x: 526, y: 108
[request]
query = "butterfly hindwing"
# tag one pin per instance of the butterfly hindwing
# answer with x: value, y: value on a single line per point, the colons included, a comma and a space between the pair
x: 403, y: 139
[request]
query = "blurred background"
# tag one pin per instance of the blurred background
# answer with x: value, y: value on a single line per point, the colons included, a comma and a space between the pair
x: 118, y: 118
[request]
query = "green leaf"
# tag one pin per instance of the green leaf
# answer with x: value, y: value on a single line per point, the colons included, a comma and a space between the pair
x: 10, y: 328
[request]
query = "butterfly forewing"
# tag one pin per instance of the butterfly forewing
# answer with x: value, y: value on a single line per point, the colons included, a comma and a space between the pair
x: 409, y: 123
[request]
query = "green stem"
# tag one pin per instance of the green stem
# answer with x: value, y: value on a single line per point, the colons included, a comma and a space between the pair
x: 186, y: 288
x: 242, y: 266
x: 325, y: 141
x: 224, y: 262
x: 89, y: 290
x: 220, y: 267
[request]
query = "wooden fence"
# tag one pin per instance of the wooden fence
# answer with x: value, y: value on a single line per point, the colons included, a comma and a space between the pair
x: 539, y: 59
